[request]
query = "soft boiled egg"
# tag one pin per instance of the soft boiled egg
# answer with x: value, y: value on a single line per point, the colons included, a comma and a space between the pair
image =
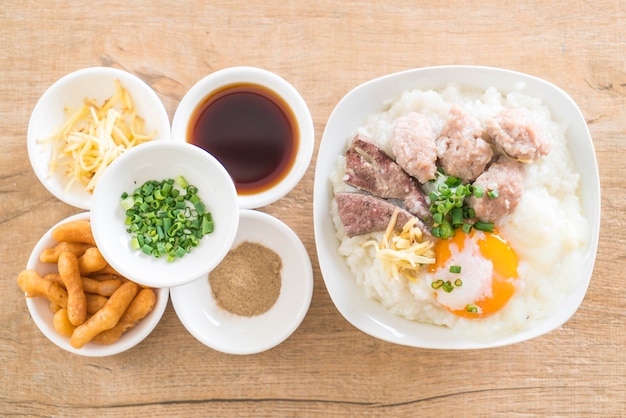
x: 474, y: 274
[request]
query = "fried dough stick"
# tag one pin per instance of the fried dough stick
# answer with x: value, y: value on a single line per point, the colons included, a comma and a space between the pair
x: 104, y: 287
x: 74, y: 231
x: 107, y: 317
x: 62, y: 323
x: 34, y: 285
x: 51, y: 255
x: 92, y: 260
x: 139, y: 308
x: 76, y: 301
x: 95, y: 302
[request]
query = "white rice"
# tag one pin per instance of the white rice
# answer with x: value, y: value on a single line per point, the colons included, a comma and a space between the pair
x: 547, y: 230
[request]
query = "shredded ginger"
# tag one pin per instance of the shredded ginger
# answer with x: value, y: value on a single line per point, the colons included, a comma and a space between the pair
x: 404, y: 252
x: 93, y: 136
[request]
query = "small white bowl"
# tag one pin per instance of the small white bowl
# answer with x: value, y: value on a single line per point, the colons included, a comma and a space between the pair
x: 161, y: 160
x: 39, y: 308
x: 70, y: 91
x: 229, y: 76
x: 228, y: 333
x: 368, y: 98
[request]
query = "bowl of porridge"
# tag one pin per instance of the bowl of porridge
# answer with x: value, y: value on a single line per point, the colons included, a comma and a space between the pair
x: 456, y: 207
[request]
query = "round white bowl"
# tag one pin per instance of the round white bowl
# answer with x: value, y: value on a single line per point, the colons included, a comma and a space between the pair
x: 368, y: 98
x: 70, y: 91
x: 228, y: 76
x: 158, y: 161
x: 232, y: 334
x: 39, y: 308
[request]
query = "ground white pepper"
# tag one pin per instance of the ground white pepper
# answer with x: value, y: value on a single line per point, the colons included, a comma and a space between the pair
x: 248, y: 281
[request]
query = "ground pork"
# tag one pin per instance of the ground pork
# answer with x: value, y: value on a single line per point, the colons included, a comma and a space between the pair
x: 516, y: 135
x: 461, y: 150
x: 506, y: 176
x: 413, y: 145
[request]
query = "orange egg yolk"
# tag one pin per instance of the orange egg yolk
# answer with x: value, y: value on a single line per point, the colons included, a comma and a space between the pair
x: 481, y: 296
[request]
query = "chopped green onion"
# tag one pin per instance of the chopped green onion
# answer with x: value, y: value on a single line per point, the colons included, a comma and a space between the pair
x: 164, y: 220
x: 457, y: 217
x: 147, y: 249
x: 447, y: 229
x: 469, y: 213
x: 446, y: 286
x: 147, y: 189
x: 207, y: 224
x: 453, y: 181
x: 471, y: 308
x: 182, y: 182
x: 166, y: 188
x: 455, y: 269
x: 158, y: 195
x: 484, y: 226
x: 437, y: 284
x: 128, y: 202
x: 449, y: 208
x: 179, y: 252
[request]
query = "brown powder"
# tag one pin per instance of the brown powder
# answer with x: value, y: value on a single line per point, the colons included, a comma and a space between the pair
x: 247, y: 282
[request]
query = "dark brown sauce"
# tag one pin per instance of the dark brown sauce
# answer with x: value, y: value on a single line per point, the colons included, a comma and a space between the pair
x: 251, y: 131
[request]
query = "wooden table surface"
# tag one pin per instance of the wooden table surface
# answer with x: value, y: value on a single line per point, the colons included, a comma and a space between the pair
x: 324, y: 48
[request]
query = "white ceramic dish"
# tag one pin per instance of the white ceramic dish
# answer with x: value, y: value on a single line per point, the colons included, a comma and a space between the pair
x: 70, y: 91
x: 39, y: 308
x: 368, y: 98
x: 159, y: 160
x: 233, y: 75
x: 228, y: 333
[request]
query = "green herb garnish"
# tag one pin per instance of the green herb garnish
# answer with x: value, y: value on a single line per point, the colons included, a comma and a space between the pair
x: 166, y: 218
x: 449, y: 208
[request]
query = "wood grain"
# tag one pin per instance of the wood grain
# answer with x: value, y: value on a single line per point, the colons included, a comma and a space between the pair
x: 324, y: 48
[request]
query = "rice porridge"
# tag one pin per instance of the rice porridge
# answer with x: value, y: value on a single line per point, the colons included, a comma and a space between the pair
x: 546, y: 229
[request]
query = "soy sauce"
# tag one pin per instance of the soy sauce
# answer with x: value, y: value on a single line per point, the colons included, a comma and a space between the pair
x: 251, y: 130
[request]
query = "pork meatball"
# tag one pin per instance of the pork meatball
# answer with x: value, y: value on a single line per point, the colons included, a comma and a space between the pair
x: 506, y: 176
x: 516, y: 135
x: 413, y: 144
x: 461, y: 150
